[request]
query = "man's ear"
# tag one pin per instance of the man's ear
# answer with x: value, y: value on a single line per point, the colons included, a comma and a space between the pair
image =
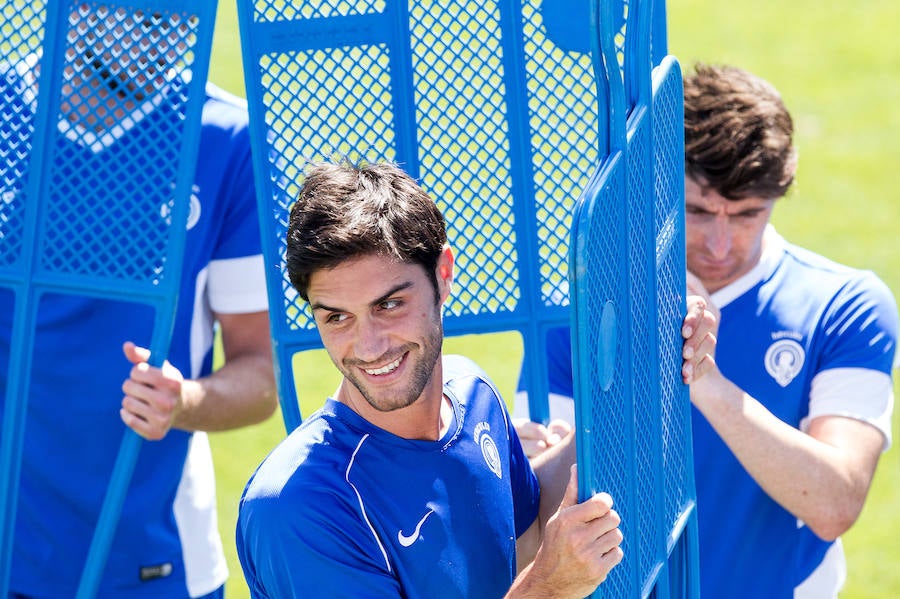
x: 444, y: 273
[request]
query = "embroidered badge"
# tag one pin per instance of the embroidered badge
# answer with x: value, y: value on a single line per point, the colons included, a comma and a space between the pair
x: 784, y: 360
x: 165, y: 211
x: 488, y: 448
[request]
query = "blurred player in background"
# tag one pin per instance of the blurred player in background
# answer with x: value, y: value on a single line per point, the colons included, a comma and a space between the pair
x: 125, y: 70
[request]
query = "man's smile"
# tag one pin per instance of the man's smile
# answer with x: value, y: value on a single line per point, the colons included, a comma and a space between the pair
x: 386, y: 369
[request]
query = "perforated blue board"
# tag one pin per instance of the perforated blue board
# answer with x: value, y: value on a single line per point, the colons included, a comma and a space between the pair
x: 71, y: 72
x: 507, y: 112
x: 491, y: 105
x: 632, y: 410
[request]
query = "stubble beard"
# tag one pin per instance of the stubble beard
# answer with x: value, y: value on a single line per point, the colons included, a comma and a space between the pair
x: 422, y: 373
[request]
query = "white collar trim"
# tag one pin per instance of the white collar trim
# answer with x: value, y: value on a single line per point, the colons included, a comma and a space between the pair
x: 97, y: 143
x: 773, y: 247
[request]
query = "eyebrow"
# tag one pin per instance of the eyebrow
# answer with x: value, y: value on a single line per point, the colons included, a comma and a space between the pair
x: 399, y: 287
x: 703, y: 208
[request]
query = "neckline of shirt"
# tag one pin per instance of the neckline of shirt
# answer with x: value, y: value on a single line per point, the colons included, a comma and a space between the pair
x: 773, y: 248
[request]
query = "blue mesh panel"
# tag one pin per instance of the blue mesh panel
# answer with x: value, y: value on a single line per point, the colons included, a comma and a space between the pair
x: 318, y: 104
x: 606, y: 423
x: 564, y: 128
x: 104, y: 221
x: 645, y: 361
x: 504, y: 112
x: 75, y: 79
x: 464, y: 147
x: 465, y: 97
x: 265, y: 10
x: 670, y: 255
x: 21, y: 37
x: 632, y: 408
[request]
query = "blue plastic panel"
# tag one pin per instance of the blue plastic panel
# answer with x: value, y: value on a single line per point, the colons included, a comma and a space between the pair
x: 632, y: 410
x: 507, y: 112
x: 78, y: 74
x: 492, y: 105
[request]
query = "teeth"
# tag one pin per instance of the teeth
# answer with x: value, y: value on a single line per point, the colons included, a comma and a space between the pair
x: 386, y: 369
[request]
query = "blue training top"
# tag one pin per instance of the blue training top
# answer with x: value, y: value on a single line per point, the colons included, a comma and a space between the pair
x: 342, y: 508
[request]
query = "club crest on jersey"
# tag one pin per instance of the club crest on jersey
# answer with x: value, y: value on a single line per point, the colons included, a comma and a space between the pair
x: 193, y: 213
x: 784, y: 360
x: 488, y: 448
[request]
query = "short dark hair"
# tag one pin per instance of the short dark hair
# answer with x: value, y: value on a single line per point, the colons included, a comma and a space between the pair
x: 737, y: 133
x: 346, y: 210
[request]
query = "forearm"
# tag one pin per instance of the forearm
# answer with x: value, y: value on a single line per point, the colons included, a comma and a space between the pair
x: 552, y: 468
x: 526, y: 586
x: 240, y: 393
x: 822, y: 482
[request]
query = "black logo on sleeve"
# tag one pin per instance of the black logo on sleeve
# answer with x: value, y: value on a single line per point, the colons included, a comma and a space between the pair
x: 154, y: 572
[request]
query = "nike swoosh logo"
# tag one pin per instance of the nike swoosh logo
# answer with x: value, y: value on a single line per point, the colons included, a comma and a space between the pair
x: 407, y: 540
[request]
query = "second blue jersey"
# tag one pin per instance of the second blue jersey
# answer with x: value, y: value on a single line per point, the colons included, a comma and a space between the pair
x: 794, y: 317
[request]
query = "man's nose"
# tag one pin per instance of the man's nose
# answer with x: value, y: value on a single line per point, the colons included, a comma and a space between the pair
x: 718, y: 240
x: 371, y: 340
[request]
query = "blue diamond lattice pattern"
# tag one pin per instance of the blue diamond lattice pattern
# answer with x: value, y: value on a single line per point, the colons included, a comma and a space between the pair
x: 21, y: 36
x: 110, y: 220
x: 99, y: 123
x: 564, y: 129
x: 464, y: 146
x: 668, y: 114
x: 473, y: 99
x: 634, y: 428
x: 603, y: 272
x: 644, y: 358
x: 318, y: 105
x: 267, y: 11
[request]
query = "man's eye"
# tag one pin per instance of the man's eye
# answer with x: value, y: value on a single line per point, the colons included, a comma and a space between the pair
x: 390, y: 304
x: 335, y: 318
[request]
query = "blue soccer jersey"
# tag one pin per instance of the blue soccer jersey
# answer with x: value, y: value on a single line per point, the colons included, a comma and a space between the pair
x: 806, y: 337
x: 342, y: 508
x: 166, y: 543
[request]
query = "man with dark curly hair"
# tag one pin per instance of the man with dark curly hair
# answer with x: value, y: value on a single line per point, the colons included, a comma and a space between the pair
x: 789, y: 426
x: 410, y: 481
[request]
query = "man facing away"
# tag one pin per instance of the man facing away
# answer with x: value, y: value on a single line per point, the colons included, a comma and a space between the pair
x: 410, y: 481
x: 789, y: 425
x: 166, y: 542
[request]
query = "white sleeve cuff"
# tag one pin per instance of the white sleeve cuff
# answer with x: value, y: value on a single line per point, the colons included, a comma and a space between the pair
x: 562, y: 407
x: 237, y: 285
x: 859, y: 393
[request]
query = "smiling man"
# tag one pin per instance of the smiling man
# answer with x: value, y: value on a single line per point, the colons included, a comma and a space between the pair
x: 789, y: 426
x: 410, y: 481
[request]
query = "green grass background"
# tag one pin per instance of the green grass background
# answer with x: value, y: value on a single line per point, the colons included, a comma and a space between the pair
x: 837, y: 65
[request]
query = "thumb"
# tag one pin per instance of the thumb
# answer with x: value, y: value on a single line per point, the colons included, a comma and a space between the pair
x: 134, y: 353
x: 570, y: 497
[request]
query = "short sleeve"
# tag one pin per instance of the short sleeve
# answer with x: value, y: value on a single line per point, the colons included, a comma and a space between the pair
x: 313, y: 547
x: 526, y: 489
x: 860, y: 327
